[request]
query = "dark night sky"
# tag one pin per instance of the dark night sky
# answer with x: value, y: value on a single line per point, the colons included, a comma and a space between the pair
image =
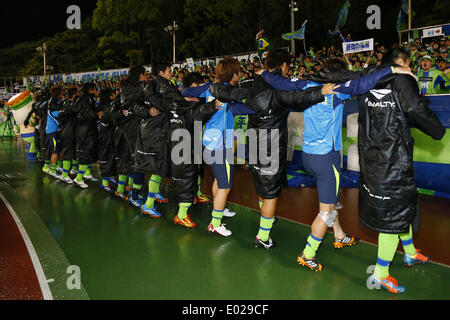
x: 38, y: 19
x: 44, y: 18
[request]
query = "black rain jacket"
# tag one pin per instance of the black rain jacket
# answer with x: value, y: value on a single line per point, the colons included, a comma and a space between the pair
x: 388, y: 194
x: 271, y: 109
x: 87, y: 132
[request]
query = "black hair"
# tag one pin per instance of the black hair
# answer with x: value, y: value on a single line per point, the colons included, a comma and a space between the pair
x: 276, y: 58
x: 334, y: 65
x: 55, y: 92
x: 134, y: 73
x: 71, y: 92
x: 87, y: 87
x: 393, y: 54
x: 160, y: 67
x: 191, y: 78
x: 105, y: 95
x: 123, y: 83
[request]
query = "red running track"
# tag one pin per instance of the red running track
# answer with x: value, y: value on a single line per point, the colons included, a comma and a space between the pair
x: 18, y: 280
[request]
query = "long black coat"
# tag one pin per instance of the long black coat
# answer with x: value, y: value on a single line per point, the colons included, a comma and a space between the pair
x: 37, y: 134
x: 43, y: 140
x: 106, y: 150
x: 151, y: 145
x: 388, y: 194
x: 176, y: 113
x: 87, y: 133
x: 67, y: 130
x: 126, y: 130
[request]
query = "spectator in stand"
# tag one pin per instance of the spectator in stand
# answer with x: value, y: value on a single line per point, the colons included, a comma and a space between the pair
x: 444, y: 54
x: 431, y: 80
x: 348, y: 38
x: 443, y: 66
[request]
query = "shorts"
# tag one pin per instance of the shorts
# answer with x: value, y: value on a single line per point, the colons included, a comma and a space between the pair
x: 327, y: 171
x: 54, y: 142
x: 223, y: 172
x: 268, y: 186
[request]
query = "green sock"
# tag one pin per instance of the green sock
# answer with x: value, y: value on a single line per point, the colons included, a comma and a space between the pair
x: 312, y: 246
x: 122, y: 183
x: 105, y: 182
x: 154, y: 184
x: 47, y: 165
x: 53, y: 168
x: 150, y: 200
x: 130, y: 181
x: 88, y: 170
x: 66, y: 168
x: 182, y: 212
x: 199, y: 192
x: 217, y: 218
x: 265, y: 228
x: 81, y: 172
x: 387, y: 245
x: 407, y: 242
x: 75, y: 165
x: 60, y: 164
x: 261, y: 204
x: 153, y: 188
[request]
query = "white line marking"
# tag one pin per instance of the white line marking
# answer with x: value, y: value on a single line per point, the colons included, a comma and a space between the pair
x: 46, y: 293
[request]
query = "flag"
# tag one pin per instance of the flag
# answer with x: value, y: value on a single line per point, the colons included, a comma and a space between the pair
x: 299, y: 34
x: 343, y: 15
x: 405, y: 6
x: 342, y: 20
x: 288, y: 36
x: 401, y: 22
x: 263, y: 45
x: 259, y: 34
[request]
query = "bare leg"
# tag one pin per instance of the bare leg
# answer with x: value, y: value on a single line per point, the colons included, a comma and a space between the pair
x: 215, y: 188
x: 267, y: 219
x: 269, y: 207
x: 338, y: 231
x: 220, y: 199
x: 319, y: 227
x: 54, y: 159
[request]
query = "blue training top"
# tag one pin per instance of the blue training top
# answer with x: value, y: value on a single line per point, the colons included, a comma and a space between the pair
x: 52, y: 121
x: 323, y: 122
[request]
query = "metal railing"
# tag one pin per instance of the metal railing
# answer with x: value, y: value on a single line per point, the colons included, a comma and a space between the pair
x: 239, y: 56
x: 410, y: 32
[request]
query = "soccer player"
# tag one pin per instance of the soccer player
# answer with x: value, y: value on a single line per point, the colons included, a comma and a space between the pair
x: 321, y: 148
x: 223, y: 170
x: 388, y: 193
x: 67, y: 132
x: 87, y: 134
x: 180, y: 115
x: 271, y: 112
x: 54, y: 107
x: 107, y: 164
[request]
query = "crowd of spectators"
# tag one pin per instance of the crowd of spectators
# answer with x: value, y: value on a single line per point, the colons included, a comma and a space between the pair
x: 427, y: 55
